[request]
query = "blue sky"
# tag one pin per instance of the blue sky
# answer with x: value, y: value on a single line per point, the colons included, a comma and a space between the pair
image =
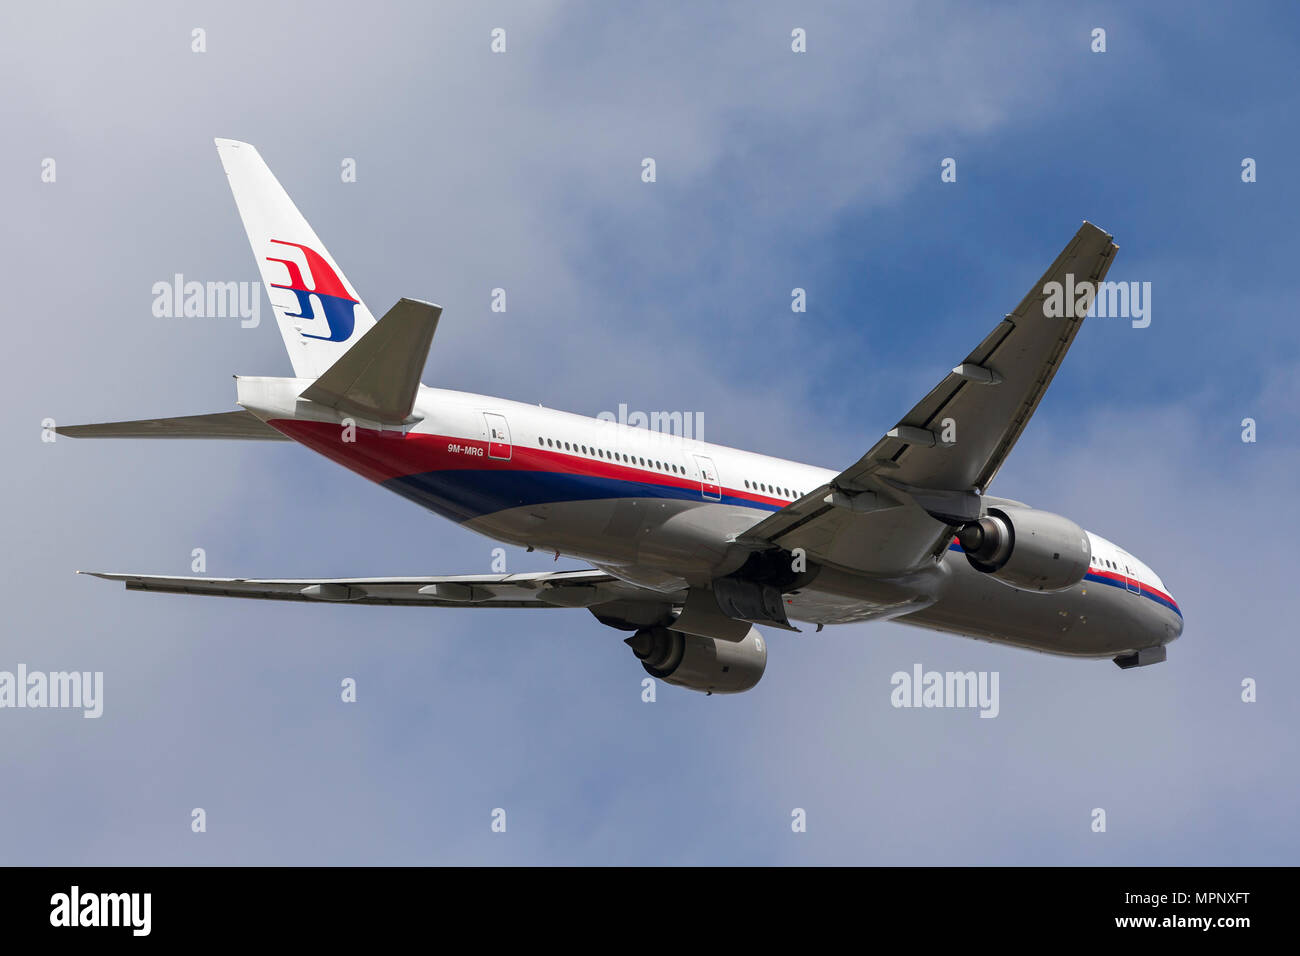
x: 521, y: 170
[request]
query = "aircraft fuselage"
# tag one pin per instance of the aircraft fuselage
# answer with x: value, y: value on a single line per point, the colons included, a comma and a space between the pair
x: 664, y: 512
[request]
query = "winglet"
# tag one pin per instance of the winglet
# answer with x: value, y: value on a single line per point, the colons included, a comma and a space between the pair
x: 378, y: 378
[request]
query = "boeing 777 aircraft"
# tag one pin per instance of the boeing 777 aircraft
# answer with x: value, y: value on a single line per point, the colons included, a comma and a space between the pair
x: 691, y: 544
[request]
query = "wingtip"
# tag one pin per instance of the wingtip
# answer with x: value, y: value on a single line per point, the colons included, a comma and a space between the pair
x: 1088, y: 224
x: 424, y: 302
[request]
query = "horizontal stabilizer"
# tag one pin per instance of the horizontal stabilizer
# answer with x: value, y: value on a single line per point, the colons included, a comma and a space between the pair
x: 229, y: 425
x: 378, y: 378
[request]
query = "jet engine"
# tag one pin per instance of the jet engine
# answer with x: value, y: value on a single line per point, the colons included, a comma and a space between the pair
x: 701, y: 663
x: 1027, y: 549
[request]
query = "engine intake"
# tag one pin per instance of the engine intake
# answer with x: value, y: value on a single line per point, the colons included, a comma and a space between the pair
x: 701, y: 663
x: 1027, y: 549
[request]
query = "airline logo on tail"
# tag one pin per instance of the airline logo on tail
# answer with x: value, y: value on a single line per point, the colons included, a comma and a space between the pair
x: 338, y: 306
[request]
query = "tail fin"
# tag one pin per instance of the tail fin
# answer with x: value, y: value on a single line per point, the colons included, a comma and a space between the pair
x: 319, y: 312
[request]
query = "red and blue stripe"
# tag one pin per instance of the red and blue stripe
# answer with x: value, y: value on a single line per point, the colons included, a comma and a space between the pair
x: 468, y: 483
x: 1114, y: 580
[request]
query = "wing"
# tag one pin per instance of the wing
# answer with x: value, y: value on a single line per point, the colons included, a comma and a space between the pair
x: 586, y: 589
x: 236, y: 425
x: 891, y: 510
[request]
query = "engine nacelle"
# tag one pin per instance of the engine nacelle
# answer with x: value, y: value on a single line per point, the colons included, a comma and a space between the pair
x: 701, y: 663
x: 1027, y: 549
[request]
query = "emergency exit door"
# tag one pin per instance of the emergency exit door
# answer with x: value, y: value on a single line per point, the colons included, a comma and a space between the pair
x: 710, y: 485
x: 498, y: 436
x: 1130, y: 581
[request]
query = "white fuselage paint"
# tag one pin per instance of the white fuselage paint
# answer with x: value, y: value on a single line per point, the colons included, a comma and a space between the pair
x: 662, y: 512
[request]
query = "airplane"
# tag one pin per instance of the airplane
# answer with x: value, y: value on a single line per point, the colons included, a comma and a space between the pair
x: 692, y: 546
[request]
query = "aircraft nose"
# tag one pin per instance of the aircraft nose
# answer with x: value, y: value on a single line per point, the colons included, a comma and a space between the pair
x: 1172, y: 621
